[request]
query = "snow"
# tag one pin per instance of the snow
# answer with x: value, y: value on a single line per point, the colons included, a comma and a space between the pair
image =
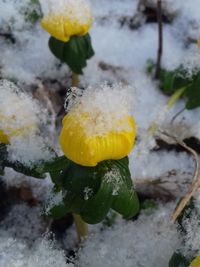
x: 21, y: 117
x: 99, y: 105
x: 121, y: 55
x: 149, y: 241
x: 78, y: 10
x: 15, y: 253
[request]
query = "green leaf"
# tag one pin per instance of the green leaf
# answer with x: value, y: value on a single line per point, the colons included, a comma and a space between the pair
x: 170, y: 81
x: 74, y: 53
x: 81, y: 180
x: 178, y: 260
x: 58, y: 211
x: 193, y: 94
x: 56, y: 167
x: 126, y: 202
x: 95, y: 209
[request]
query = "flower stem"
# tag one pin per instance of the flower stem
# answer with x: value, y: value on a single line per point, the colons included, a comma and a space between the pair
x: 81, y: 227
x: 74, y: 79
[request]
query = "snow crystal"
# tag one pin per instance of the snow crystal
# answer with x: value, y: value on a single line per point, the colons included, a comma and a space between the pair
x: 114, y: 178
x: 100, y: 103
x: 17, y: 15
x: 73, y: 9
x: 16, y: 253
x: 24, y: 222
x: 149, y: 241
x: 40, y: 188
x: 21, y: 117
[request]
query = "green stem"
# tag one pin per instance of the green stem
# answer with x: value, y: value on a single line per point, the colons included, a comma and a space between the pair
x: 81, y: 227
x: 175, y: 96
x: 74, y: 79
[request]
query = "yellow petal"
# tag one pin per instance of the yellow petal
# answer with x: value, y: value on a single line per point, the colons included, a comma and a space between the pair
x: 87, y: 149
x: 195, y: 262
x: 54, y: 25
x: 62, y: 26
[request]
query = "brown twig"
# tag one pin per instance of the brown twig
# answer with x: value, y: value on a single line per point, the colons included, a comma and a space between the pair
x: 160, y: 38
x: 195, y: 180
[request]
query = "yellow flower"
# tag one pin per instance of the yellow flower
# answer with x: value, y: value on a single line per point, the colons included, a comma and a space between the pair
x: 11, y: 129
x: 198, y: 42
x: 195, y: 262
x: 72, y: 18
x: 87, y: 148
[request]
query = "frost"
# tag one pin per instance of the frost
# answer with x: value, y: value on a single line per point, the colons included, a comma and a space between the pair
x: 100, y: 105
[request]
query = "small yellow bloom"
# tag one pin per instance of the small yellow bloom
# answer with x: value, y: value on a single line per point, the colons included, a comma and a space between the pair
x: 74, y: 18
x: 87, y: 148
x: 195, y: 262
x: 11, y: 129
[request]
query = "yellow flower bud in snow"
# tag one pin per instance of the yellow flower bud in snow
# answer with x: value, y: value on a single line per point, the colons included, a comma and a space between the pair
x: 11, y: 129
x: 65, y: 18
x: 19, y: 114
x: 89, y: 149
x: 195, y: 262
x: 98, y: 125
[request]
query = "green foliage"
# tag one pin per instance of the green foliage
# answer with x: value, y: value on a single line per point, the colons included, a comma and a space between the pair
x: 172, y: 81
x: 88, y: 191
x: 33, y: 11
x: 148, y: 204
x: 92, y: 191
x: 74, y: 53
x: 178, y: 260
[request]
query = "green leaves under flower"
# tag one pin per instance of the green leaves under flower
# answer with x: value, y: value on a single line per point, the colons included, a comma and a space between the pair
x: 88, y: 191
x: 93, y: 191
x: 74, y: 53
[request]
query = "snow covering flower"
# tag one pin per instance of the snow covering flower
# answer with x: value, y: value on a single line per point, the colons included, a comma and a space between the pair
x: 195, y: 262
x: 98, y: 127
x: 65, y: 18
x: 15, y: 118
x: 21, y: 118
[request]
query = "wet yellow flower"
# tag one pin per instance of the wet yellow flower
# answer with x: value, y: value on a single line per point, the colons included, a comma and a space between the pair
x: 68, y: 19
x: 195, y: 262
x: 87, y: 148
